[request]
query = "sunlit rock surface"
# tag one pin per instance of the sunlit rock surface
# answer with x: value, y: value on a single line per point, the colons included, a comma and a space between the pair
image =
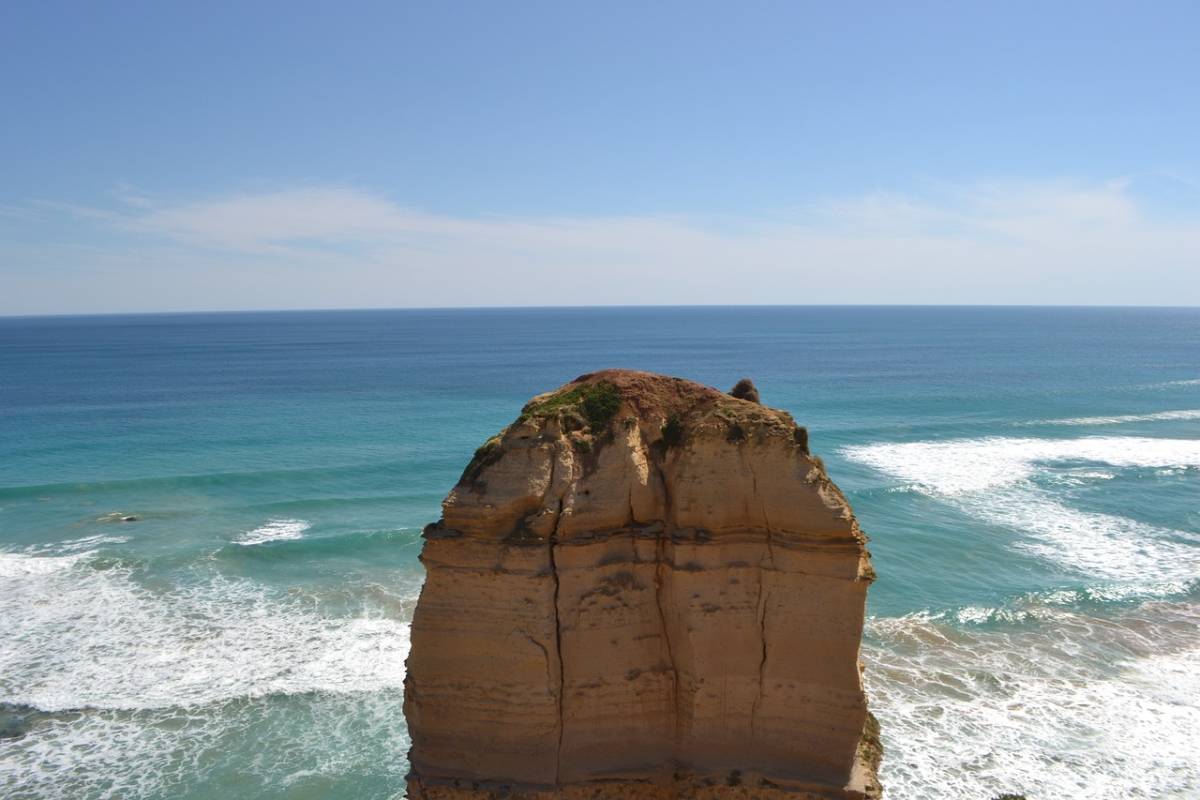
x: 642, y: 588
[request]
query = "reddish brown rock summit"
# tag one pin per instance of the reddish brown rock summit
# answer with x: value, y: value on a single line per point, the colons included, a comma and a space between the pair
x: 642, y: 588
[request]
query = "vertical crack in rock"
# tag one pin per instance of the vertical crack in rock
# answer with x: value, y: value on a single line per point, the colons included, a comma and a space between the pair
x: 660, y: 568
x: 762, y: 506
x: 727, y: 500
x: 764, y: 597
x: 551, y: 545
x: 562, y: 685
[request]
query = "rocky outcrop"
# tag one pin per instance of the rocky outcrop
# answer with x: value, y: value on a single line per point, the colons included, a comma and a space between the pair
x: 642, y: 588
x: 745, y: 390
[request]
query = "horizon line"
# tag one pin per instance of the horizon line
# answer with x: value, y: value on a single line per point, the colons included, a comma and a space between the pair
x: 176, y: 312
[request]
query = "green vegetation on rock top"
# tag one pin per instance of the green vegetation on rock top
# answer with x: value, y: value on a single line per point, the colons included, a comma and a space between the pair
x: 596, y: 403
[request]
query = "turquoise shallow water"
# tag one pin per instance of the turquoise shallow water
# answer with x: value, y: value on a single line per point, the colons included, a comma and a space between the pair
x: 1028, y: 476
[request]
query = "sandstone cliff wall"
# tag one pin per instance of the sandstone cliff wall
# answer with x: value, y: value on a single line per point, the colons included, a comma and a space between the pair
x: 643, y: 587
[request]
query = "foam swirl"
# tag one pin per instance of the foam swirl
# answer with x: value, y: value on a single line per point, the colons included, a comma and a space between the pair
x: 78, y: 636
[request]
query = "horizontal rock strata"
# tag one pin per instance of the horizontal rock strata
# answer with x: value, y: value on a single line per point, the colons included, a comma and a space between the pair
x: 642, y: 588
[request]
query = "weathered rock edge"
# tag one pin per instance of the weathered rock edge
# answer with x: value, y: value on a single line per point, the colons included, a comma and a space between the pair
x: 642, y: 588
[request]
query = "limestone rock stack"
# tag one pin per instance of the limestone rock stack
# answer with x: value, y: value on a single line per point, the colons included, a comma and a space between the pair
x: 642, y: 588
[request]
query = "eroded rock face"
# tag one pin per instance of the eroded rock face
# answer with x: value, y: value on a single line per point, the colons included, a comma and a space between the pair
x: 642, y: 588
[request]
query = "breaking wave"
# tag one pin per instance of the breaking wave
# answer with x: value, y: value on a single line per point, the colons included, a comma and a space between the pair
x: 273, y: 531
x: 1182, y: 414
x: 311, y: 745
x: 114, y: 683
x: 14, y: 566
x: 78, y: 636
x: 1104, y: 708
x: 960, y: 466
x: 1092, y: 691
x: 1173, y: 384
x: 994, y: 479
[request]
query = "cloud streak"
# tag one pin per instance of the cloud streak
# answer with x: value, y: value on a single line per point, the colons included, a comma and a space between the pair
x: 1048, y: 242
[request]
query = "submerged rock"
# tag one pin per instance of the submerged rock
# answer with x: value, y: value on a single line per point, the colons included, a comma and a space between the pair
x: 642, y: 588
x: 17, y: 719
x: 118, y: 516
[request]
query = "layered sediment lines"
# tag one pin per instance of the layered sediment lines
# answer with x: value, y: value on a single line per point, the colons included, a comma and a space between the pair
x: 642, y: 588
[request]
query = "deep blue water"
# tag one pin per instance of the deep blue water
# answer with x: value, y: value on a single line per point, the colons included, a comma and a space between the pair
x: 1028, y: 476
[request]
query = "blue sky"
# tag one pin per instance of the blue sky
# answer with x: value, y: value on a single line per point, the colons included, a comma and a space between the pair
x: 159, y: 156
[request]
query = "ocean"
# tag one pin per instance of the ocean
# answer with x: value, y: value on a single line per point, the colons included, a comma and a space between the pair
x: 1028, y: 476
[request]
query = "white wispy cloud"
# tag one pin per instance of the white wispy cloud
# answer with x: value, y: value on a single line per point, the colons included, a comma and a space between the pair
x: 1034, y: 242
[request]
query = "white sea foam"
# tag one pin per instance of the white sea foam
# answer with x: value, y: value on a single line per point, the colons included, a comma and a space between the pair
x: 1080, y: 477
x: 81, y: 545
x: 1057, y: 604
x: 1182, y: 414
x: 1105, y: 708
x: 969, y: 465
x: 1173, y: 384
x: 144, y: 683
x: 1057, y: 704
x: 20, y: 565
x: 273, y: 531
x: 994, y: 479
x: 297, y: 750
x: 76, y: 636
x: 44, y: 559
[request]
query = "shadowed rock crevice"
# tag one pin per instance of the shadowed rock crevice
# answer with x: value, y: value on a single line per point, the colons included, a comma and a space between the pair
x: 553, y: 542
x: 683, y: 570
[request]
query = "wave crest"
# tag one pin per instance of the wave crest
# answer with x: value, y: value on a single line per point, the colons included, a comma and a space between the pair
x: 79, y: 636
x: 1106, y: 708
x: 1182, y: 414
x: 993, y: 479
x: 274, y: 530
